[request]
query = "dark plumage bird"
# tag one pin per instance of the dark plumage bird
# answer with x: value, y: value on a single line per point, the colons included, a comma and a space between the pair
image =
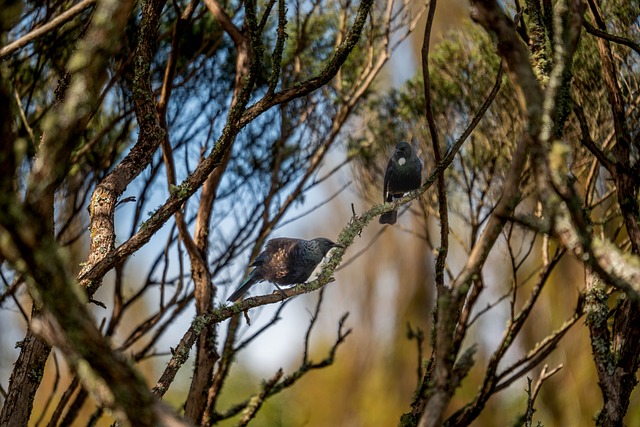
x: 286, y: 261
x: 404, y: 173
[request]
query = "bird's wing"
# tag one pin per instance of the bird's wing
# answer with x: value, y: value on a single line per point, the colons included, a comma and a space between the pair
x: 260, y: 259
x: 281, y: 243
x: 276, y: 257
x: 387, y: 175
x: 271, y: 248
x: 287, y: 261
x: 418, y: 162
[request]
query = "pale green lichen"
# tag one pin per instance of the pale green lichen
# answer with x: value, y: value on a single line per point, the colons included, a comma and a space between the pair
x: 180, y: 191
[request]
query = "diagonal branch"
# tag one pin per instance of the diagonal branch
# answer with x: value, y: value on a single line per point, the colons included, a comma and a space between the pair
x: 36, y: 33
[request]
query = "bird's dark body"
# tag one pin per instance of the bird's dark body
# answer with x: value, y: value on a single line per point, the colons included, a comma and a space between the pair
x: 403, y: 174
x: 285, y: 261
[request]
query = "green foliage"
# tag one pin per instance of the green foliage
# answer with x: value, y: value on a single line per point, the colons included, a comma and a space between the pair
x: 621, y: 16
x: 463, y: 67
x: 310, y: 42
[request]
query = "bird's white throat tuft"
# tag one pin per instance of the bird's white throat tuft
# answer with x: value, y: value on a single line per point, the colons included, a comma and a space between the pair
x: 402, y: 161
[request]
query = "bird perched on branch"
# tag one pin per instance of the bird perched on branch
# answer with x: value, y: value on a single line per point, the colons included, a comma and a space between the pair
x: 286, y: 261
x: 403, y: 174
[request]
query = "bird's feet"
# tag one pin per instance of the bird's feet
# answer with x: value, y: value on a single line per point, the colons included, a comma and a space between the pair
x: 282, y: 292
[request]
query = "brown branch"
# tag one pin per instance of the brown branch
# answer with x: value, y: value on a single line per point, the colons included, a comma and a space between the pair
x: 18, y: 403
x: 66, y: 396
x: 443, y: 248
x: 444, y: 384
x: 196, y: 254
x: 276, y: 56
x: 538, y: 353
x: 611, y: 37
x: 588, y: 142
x: 532, y: 394
x: 54, y: 389
x: 23, y: 117
x: 206, y: 355
x: 36, y: 33
x: 256, y: 402
x: 221, y: 374
x: 11, y: 289
x: 615, y: 352
x: 613, y: 90
x: 105, y: 196
x: 225, y: 22
x: 170, y: 70
x: 417, y: 335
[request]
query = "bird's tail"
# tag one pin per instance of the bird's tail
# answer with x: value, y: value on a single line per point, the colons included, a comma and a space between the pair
x: 244, y: 287
x: 389, y: 217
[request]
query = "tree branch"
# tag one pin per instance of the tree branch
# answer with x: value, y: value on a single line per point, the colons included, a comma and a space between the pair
x: 36, y: 33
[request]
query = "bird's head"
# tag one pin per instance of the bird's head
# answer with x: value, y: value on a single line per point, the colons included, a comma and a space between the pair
x: 326, y: 245
x: 403, y: 149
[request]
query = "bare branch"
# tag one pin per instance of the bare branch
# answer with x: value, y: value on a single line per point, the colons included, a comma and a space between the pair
x: 611, y: 37
x: 38, y: 32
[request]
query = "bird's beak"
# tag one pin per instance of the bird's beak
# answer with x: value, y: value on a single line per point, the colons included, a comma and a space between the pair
x: 338, y: 245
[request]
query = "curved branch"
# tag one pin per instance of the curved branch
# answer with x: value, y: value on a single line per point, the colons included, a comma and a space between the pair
x: 105, y: 196
x: 611, y: 37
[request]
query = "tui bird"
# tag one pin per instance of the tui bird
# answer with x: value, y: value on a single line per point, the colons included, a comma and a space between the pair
x: 403, y: 174
x: 286, y: 261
